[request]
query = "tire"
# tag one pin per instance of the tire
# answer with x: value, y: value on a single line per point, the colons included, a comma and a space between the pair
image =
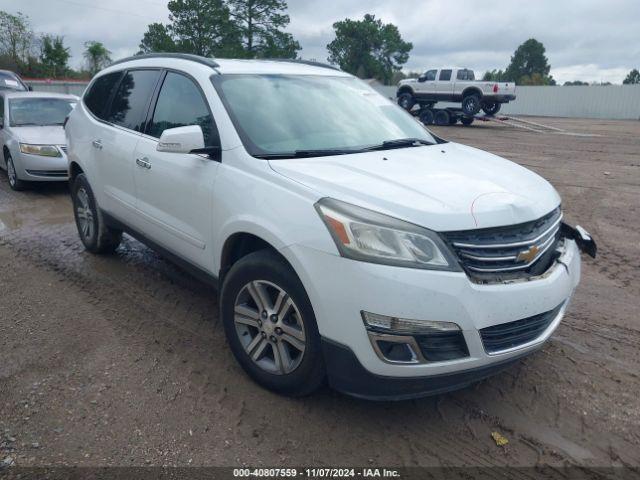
x: 466, y: 121
x: 442, y: 118
x: 260, y: 334
x: 96, y: 236
x: 426, y: 116
x: 14, y: 182
x: 471, y: 104
x: 491, y: 108
x: 406, y: 101
x: 453, y: 119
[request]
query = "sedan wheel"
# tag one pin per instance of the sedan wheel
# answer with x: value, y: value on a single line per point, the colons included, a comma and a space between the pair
x: 270, y: 328
x: 14, y: 182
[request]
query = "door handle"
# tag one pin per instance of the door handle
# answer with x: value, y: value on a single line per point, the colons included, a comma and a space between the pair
x: 97, y: 144
x: 143, y: 162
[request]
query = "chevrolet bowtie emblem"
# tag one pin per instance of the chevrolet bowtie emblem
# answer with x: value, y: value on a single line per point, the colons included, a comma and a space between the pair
x: 527, y: 256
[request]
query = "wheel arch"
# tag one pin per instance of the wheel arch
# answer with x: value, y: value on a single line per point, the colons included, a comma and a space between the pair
x: 239, y: 245
x: 404, y: 89
x: 471, y: 91
x: 74, y: 170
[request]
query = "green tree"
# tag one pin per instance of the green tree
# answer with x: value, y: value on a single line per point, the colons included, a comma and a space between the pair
x: 157, y: 39
x: 494, y: 76
x: 529, y: 65
x: 54, y: 56
x: 633, y: 78
x: 16, y: 37
x: 368, y: 48
x: 260, y: 24
x: 97, y: 56
x: 203, y: 27
x: 575, y: 83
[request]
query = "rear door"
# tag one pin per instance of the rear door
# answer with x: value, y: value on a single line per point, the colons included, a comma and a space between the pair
x: 175, y: 190
x: 116, y: 140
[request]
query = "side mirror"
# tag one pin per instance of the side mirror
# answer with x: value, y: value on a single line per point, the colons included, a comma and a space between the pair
x: 181, y: 139
x: 422, y: 78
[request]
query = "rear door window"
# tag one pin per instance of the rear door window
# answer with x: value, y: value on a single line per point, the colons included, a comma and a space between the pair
x: 445, y: 75
x: 131, y: 100
x: 181, y: 103
x: 98, y: 95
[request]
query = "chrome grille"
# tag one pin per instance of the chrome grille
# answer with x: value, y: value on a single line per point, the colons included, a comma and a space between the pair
x: 516, y: 249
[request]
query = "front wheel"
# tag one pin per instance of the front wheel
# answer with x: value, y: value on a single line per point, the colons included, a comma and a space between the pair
x: 14, y: 182
x: 270, y: 325
x: 96, y: 236
x: 406, y: 101
x: 471, y: 104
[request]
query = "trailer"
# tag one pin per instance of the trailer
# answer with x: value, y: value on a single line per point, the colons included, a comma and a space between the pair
x: 429, y: 115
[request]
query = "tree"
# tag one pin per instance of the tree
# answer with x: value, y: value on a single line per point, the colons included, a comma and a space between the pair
x: 494, y: 76
x: 529, y: 64
x: 575, y: 83
x: 203, y: 27
x: 368, y: 48
x: 157, y: 39
x: 54, y: 55
x: 97, y: 56
x: 260, y: 24
x: 16, y: 37
x: 633, y: 78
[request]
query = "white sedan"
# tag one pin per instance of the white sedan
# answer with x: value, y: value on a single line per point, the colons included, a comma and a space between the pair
x: 32, y: 136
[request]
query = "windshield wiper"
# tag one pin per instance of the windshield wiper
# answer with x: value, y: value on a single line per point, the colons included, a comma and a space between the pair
x: 307, y: 153
x: 398, y: 143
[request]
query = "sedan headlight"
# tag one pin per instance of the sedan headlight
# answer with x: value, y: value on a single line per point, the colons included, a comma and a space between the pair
x: 42, y: 150
x: 365, y: 235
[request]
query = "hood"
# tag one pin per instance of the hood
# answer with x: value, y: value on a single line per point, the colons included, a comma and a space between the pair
x: 47, y: 135
x: 407, y: 80
x: 442, y: 187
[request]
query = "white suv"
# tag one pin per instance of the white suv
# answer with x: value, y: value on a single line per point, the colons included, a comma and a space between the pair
x: 348, y: 242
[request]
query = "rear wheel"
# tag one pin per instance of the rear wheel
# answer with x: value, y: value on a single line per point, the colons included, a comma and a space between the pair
x: 406, y: 101
x: 426, y: 116
x: 270, y: 325
x: 96, y: 236
x: 491, y: 108
x: 442, y: 118
x: 466, y: 121
x: 14, y: 182
x: 471, y: 104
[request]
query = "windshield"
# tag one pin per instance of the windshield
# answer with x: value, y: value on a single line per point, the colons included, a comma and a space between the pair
x: 9, y: 81
x: 276, y: 115
x: 39, y: 111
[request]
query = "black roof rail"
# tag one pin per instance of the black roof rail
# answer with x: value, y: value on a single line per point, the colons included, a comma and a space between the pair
x: 312, y: 63
x: 209, y: 62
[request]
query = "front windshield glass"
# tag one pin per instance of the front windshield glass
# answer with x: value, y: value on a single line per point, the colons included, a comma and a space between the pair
x: 39, y: 111
x: 280, y: 114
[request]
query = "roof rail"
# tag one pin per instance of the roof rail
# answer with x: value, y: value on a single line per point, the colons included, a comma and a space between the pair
x: 183, y: 56
x: 313, y: 63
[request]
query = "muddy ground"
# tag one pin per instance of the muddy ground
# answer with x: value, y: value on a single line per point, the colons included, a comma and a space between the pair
x: 121, y: 360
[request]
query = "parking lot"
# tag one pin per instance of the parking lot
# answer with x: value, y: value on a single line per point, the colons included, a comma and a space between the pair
x: 121, y: 360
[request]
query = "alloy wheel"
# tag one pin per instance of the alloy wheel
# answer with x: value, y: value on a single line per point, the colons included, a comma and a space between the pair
x: 84, y: 214
x: 270, y: 327
x: 11, y: 172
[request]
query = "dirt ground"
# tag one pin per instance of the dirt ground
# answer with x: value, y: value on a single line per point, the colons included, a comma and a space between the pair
x: 121, y: 360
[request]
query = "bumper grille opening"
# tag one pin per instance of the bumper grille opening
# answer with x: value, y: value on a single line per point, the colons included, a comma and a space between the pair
x: 442, y: 346
x: 507, y: 253
x: 48, y: 173
x: 513, y: 334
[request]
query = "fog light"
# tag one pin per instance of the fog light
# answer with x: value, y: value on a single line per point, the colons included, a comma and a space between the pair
x: 386, y: 324
x: 396, y: 352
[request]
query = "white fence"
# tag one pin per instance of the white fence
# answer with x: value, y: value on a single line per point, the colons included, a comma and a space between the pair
x: 58, y: 86
x: 607, y: 101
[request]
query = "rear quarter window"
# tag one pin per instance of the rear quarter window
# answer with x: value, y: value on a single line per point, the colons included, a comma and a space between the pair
x: 131, y: 100
x: 99, y: 92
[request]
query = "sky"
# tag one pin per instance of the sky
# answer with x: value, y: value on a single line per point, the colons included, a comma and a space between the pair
x: 594, y: 41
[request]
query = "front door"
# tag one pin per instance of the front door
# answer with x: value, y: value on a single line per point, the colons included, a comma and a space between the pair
x: 175, y: 190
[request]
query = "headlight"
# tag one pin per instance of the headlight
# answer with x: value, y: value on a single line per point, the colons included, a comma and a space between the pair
x: 42, y: 150
x: 365, y: 235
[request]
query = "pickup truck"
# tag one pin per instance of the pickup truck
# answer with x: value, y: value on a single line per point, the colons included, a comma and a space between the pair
x: 455, y: 85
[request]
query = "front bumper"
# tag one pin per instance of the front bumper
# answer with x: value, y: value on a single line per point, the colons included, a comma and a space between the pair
x: 339, y: 289
x: 37, y: 168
